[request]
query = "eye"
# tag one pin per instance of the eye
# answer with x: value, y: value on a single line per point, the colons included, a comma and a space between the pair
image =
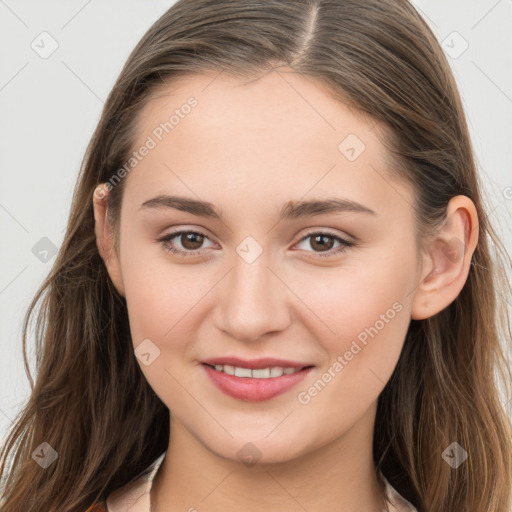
x: 192, y: 242
x: 320, y: 240
x: 189, y: 243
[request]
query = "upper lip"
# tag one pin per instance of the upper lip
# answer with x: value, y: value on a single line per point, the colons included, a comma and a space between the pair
x: 264, y: 362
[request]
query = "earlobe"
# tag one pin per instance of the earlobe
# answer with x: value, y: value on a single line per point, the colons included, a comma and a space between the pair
x: 447, y: 260
x: 104, y: 237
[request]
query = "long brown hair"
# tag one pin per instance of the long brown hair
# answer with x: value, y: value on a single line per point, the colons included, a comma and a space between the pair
x: 91, y: 402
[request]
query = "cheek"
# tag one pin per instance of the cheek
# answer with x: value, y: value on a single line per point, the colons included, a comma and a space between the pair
x: 362, y: 314
x: 374, y: 310
x: 345, y: 302
x: 164, y: 298
x: 157, y: 301
x: 160, y: 299
x: 365, y: 314
x: 361, y: 357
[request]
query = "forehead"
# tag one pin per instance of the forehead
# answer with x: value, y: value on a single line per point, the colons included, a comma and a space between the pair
x: 281, y: 135
x: 293, y: 105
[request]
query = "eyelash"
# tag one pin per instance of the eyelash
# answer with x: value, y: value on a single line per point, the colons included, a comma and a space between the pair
x: 345, y: 244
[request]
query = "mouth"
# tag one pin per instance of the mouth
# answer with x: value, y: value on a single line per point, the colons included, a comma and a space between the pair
x: 256, y: 373
x: 255, y: 384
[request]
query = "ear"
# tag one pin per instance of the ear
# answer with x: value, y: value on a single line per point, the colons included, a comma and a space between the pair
x: 447, y: 260
x: 105, y: 238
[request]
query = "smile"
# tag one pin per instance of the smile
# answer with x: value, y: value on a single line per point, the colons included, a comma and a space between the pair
x: 254, y: 384
x: 261, y: 373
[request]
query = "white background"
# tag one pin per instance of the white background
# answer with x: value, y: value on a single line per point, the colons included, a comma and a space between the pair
x: 50, y: 107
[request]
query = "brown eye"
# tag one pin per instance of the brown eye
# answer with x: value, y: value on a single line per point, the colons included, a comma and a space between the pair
x: 324, y: 243
x: 191, y: 241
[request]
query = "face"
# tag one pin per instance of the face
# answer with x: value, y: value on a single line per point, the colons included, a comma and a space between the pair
x: 329, y: 287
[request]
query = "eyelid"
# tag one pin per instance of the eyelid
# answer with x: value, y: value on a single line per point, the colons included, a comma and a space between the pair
x: 327, y: 231
x: 346, y: 243
x: 165, y: 240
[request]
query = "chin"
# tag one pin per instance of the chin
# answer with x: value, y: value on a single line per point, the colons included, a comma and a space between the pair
x: 259, y: 449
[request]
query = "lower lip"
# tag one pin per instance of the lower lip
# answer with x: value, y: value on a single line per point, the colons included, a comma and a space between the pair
x: 254, y: 390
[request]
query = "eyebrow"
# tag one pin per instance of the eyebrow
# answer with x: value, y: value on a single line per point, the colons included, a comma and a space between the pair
x: 291, y: 209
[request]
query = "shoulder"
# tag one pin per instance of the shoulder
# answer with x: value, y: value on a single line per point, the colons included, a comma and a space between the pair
x: 398, y: 502
x: 134, y: 496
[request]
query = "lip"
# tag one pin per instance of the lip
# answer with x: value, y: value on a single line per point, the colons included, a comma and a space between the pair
x: 255, y: 364
x: 251, y: 389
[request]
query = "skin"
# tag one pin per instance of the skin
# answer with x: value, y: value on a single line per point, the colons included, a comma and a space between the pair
x: 248, y: 149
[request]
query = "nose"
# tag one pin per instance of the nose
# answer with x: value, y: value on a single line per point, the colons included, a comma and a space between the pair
x: 253, y: 301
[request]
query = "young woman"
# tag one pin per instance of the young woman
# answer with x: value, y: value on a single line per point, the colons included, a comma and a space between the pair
x: 276, y: 289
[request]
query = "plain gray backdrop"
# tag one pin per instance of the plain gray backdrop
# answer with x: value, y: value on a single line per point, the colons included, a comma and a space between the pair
x: 59, y: 60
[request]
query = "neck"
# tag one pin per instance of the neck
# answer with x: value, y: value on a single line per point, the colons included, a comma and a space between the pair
x: 340, y: 476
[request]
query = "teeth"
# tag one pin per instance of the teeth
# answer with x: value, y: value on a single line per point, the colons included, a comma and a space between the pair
x: 276, y: 372
x: 243, y: 372
x: 230, y: 370
x: 260, y: 373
